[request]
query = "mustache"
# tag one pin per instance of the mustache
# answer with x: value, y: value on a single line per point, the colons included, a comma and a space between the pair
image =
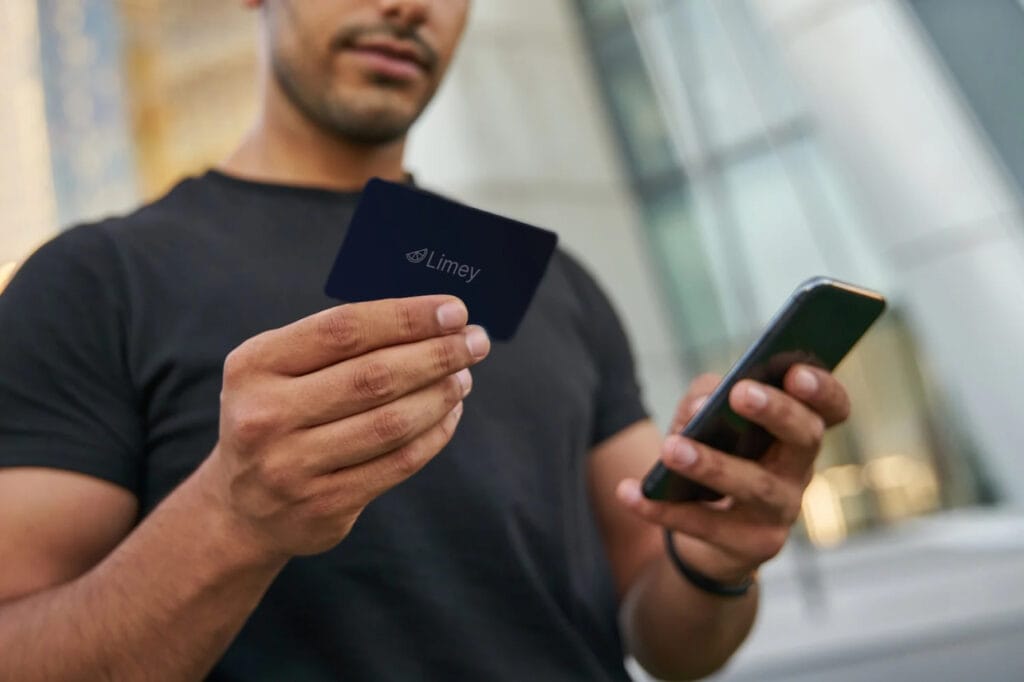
x: 351, y: 35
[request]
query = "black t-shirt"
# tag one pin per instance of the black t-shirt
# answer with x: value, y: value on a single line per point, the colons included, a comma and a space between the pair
x: 487, y: 565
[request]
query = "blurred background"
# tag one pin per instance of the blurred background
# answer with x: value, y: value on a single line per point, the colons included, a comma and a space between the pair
x: 703, y: 157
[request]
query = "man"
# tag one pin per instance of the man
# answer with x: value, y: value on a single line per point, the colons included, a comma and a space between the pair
x: 211, y: 470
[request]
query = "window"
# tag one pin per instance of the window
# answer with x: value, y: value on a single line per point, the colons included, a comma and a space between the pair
x: 982, y: 44
x: 741, y: 204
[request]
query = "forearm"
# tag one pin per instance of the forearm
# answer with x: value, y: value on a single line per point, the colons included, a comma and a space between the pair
x: 676, y: 631
x: 164, y: 605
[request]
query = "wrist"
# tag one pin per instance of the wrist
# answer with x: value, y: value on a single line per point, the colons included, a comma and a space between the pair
x: 238, y: 543
x: 727, y: 581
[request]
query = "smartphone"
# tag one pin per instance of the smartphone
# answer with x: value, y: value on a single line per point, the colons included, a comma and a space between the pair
x: 818, y: 325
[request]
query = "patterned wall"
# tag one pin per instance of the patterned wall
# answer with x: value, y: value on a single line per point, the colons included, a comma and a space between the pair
x: 190, y: 69
x: 90, y: 151
x: 110, y: 103
x: 26, y: 190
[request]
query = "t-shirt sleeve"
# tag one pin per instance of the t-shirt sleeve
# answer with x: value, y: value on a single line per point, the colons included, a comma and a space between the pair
x: 66, y: 398
x: 619, y: 401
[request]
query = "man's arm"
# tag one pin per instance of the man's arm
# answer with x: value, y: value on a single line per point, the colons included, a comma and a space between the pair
x: 317, y: 420
x: 163, y: 605
x: 55, y: 525
x: 675, y: 630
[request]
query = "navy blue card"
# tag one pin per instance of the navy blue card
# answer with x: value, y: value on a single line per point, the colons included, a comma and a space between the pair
x: 406, y: 242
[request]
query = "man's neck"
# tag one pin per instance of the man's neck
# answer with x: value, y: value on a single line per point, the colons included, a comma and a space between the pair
x: 286, y: 148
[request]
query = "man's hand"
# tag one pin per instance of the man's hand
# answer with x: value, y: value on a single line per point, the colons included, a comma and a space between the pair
x: 320, y: 417
x: 317, y: 419
x: 729, y: 539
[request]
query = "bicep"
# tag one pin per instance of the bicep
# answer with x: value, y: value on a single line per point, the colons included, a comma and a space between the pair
x: 55, y: 525
x: 631, y: 542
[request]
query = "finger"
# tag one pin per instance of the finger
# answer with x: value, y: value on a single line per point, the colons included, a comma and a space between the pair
x: 371, y: 478
x: 774, y: 498
x: 701, y: 387
x: 820, y: 391
x: 726, y: 531
x: 384, y: 375
x: 353, y: 329
x: 724, y: 503
x: 791, y: 422
x: 362, y: 437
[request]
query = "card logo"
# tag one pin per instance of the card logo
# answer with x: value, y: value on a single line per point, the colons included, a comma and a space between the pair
x: 417, y: 256
x: 443, y: 264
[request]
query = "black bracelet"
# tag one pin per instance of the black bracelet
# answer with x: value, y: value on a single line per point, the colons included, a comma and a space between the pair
x: 701, y: 581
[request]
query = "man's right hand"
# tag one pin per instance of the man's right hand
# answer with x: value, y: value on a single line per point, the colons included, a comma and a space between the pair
x: 320, y: 417
x: 317, y: 419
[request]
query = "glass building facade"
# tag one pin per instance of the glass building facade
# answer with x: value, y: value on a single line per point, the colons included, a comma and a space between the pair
x: 743, y: 201
x: 980, y: 43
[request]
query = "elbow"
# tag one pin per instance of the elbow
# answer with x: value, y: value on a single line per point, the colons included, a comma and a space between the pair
x: 681, y: 671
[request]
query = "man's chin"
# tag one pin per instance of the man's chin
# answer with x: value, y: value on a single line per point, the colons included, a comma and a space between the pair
x: 373, y: 117
x: 369, y: 128
x: 359, y: 113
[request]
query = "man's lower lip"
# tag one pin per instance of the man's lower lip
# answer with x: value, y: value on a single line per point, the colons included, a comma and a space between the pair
x: 392, y: 67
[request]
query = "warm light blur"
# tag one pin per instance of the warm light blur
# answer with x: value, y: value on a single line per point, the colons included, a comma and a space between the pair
x: 823, y: 513
x: 904, y: 485
x: 900, y: 486
x: 190, y: 75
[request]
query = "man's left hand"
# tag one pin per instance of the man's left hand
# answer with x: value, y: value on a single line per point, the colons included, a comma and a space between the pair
x: 729, y: 539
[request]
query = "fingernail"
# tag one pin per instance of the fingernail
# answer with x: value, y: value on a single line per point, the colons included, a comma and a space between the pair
x: 805, y: 382
x: 477, y: 342
x: 684, y: 454
x: 457, y: 410
x: 466, y: 379
x: 756, y: 398
x: 451, y: 315
x: 629, y: 491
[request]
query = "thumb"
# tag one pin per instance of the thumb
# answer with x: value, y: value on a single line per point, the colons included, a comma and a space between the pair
x: 698, y: 393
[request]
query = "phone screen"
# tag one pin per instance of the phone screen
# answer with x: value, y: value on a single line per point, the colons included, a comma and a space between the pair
x: 818, y: 325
